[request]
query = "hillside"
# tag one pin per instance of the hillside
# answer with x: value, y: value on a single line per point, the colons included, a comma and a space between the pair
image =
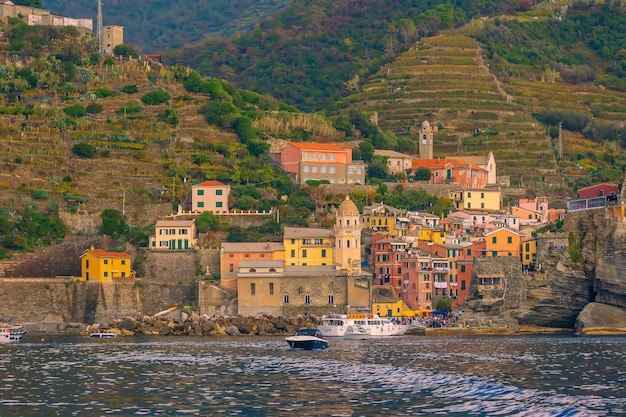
x: 159, y: 24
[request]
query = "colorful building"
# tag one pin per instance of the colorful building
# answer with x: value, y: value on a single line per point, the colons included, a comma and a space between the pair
x: 482, y: 199
x: 233, y: 253
x: 318, y: 161
x: 598, y: 190
x: 503, y: 242
x: 210, y: 196
x: 104, y: 266
x: 308, y: 246
x: 174, y: 235
x: 453, y: 171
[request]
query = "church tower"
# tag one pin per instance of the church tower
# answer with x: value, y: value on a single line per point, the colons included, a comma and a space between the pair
x: 425, y: 146
x: 348, y: 237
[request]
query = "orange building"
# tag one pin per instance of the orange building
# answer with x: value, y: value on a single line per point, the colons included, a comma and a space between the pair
x: 503, y: 242
x: 233, y: 253
x: 319, y: 161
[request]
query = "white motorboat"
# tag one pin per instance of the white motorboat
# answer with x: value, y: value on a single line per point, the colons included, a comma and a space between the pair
x: 103, y: 335
x: 336, y: 325
x: 11, y: 333
x: 307, y: 339
x: 356, y: 332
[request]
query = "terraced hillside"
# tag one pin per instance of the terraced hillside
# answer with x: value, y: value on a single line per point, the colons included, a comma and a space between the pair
x: 443, y: 80
x: 139, y: 155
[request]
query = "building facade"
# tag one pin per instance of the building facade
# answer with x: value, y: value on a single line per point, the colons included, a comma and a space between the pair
x: 321, y: 162
x: 113, y: 36
x: 234, y: 253
x: 104, y: 266
x: 210, y: 196
x: 173, y: 235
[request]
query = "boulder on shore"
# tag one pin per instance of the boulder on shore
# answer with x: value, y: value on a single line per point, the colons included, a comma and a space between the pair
x: 597, y: 318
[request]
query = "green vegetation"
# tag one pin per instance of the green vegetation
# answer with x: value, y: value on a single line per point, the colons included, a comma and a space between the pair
x: 26, y: 227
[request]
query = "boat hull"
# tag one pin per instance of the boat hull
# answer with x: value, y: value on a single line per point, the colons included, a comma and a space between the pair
x: 11, y: 334
x: 336, y: 325
x: 306, y: 343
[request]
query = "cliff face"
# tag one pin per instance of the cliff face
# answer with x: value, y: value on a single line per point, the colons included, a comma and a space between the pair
x: 583, y: 265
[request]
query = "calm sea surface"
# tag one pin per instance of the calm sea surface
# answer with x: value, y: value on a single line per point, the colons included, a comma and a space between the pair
x: 261, y: 376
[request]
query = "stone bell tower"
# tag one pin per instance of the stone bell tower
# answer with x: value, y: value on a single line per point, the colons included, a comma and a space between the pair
x: 348, y: 237
x: 425, y: 146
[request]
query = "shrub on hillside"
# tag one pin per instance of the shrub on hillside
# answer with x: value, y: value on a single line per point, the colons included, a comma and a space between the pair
x: 75, y: 110
x: 103, y: 92
x: 155, y: 97
x: 40, y: 194
x: 126, y: 50
x: 94, y: 108
x: 129, y: 108
x: 130, y: 89
x: 84, y: 150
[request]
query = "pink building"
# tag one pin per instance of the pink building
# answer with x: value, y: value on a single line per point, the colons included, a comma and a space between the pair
x: 453, y: 171
x: 210, y: 196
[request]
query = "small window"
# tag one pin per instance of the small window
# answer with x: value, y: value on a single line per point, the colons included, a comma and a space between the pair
x: 509, y: 239
x: 271, y: 288
x: 331, y: 299
x: 123, y: 261
x: 219, y: 192
x: 200, y: 192
x: 219, y: 204
x: 304, y: 253
x: 494, y: 239
x: 252, y: 289
x: 285, y: 298
x: 307, y: 299
x: 201, y: 204
x: 106, y: 261
x: 106, y: 274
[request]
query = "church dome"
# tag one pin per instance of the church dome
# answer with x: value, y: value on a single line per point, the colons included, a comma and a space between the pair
x: 347, y: 208
x: 425, y: 123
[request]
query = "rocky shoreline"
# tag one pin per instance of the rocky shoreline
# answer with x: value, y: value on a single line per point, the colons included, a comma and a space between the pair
x: 179, y: 323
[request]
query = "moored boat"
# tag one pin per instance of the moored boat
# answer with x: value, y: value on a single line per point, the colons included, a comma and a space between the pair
x: 11, y: 333
x: 103, y: 335
x: 335, y: 325
x: 307, y: 339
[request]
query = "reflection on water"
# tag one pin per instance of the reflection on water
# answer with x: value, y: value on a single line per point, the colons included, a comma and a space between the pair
x: 258, y: 376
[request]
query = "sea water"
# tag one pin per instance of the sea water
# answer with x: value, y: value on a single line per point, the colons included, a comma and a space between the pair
x: 261, y: 376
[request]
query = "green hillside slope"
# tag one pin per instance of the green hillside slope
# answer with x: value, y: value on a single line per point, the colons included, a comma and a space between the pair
x: 158, y: 24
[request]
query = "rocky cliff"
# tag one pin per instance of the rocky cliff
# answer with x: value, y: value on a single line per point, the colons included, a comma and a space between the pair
x: 583, y: 265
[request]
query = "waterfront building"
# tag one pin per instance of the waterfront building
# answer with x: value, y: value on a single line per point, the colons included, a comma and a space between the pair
x: 100, y: 265
x: 233, y: 253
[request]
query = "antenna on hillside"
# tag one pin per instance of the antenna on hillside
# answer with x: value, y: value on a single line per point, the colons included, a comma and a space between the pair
x: 560, y: 140
x: 100, y: 31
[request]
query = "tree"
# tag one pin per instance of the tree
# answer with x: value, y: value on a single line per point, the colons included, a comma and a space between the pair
x: 407, y: 30
x: 155, y: 97
x: 207, y: 221
x: 422, y: 174
x: 75, y: 110
x: 126, y: 50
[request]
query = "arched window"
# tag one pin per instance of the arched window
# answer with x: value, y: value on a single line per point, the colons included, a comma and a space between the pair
x: 252, y: 270
x: 272, y: 269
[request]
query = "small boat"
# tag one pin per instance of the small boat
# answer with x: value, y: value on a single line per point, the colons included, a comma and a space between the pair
x: 356, y: 333
x: 103, y: 335
x: 11, y: 333
x: 307, y: 339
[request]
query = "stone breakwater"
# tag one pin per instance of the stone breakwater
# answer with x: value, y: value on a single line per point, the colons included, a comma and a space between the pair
x: 187, y: 325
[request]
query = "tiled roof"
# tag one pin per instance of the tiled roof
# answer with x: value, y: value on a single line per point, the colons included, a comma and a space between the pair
x: 318, y: 146
x: 306, y: 232
x: 210, y: 184
x: 252, y: 247
x: 181, y: 223
x: 101, y: 253
x: 442, y: 163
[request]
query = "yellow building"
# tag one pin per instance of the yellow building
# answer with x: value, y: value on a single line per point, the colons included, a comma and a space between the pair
x: 477, y: 199
x: 305, y: 246
x: 529, y: 252
x: 100, y: 265
x: 432, y: 235
x: 503, y: 242
x: 386, y: 303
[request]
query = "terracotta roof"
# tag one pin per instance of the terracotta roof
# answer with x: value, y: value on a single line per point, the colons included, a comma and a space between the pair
x: 391, y: 154
x: 317, y: 146
x: 306, y: 233
x: 181, y: 223
x: 210, y: 184
x: 598, y: 185
x: 101, y: 253
x: 442, y: 163
x: 248, y: 247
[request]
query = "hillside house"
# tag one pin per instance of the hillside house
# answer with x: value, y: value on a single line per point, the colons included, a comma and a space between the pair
x: 598, y: 190
x: 486, y: 162
x: 397, y: 163
x: 104, y: 266
x: 481, y: 199
x: 319, y: 161
x: 210, y: 196
x: 172, y: 235
x: 503, y: 242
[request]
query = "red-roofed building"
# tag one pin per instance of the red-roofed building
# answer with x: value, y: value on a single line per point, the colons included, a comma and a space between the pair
x: 210, y: 196
x: 104, y: 266
x: 453, y: 171
x: 320, y: 161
